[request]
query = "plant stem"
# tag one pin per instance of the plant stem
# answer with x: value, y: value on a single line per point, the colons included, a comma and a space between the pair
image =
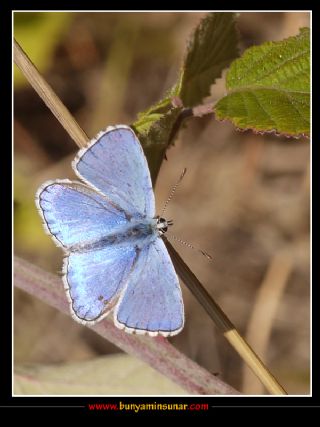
x: 49, y: 97
x: 264, y: 310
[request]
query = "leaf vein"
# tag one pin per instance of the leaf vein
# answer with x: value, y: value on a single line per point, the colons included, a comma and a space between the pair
x: 271, y: 119
x: 271, y: 71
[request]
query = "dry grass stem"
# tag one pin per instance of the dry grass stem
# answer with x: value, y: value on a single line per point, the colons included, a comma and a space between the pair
x: 263, y: 314
x: 46, y: 93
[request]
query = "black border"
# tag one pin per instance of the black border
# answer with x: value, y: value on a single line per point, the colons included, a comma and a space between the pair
x: 79, y: 404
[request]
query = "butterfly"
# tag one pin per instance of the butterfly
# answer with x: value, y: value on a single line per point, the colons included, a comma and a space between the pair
x: 115, y: 257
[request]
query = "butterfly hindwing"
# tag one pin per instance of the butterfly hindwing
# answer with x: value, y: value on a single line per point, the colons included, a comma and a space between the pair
x: 152, y: 300
x: 94, y: 279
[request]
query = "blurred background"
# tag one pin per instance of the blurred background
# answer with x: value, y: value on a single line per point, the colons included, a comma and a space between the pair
x: 244, y: 199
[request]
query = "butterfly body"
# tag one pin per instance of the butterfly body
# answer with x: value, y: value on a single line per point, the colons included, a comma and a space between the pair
x: 106, y: 225
x: 138, y: 232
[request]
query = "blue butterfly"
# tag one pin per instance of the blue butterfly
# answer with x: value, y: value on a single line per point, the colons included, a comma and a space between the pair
x: 106, y: 225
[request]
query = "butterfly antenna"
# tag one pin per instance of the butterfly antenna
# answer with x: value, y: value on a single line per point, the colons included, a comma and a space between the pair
x: 173, y: 189
x: 173, y: 237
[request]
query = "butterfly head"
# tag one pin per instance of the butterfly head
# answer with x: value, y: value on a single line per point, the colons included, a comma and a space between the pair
x: 163, y: 224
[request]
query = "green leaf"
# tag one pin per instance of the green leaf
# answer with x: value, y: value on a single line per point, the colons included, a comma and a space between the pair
x: 108, y: 375
x: 213, y: 46
x: 211, y: 49
x: 269, y: 88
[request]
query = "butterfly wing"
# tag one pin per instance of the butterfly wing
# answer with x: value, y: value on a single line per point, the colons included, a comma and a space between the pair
x: 151, y: 302
x: 94, y: 279
x: 78, y: 218
x: 74, y: 214
x: 114, y: 163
